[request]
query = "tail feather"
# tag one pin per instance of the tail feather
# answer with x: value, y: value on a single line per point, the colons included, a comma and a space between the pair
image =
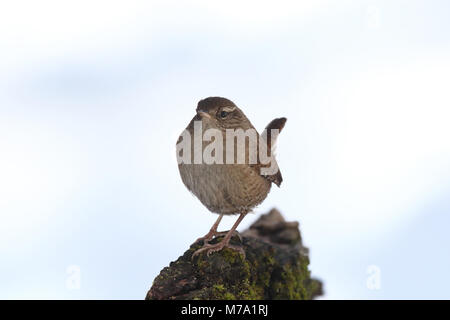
x: 276, y: 124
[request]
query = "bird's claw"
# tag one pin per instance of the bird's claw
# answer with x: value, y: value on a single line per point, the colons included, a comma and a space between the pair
x: 206, y: 239
x: 235, y: 233
x: 211, y: 235
x: 211, y: 248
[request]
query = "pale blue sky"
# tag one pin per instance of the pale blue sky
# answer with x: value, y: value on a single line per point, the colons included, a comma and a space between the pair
x: 93, y: 95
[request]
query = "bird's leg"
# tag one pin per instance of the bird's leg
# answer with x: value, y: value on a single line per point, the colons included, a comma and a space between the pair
x: 210, y: 248
x: 212, y: 232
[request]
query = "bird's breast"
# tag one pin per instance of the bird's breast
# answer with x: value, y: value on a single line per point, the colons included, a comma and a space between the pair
x: 223, y: 188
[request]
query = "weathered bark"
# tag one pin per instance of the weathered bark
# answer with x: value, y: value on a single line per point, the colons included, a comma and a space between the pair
x: 275, y: 267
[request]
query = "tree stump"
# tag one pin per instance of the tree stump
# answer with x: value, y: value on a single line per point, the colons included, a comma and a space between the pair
x: 275, y: 267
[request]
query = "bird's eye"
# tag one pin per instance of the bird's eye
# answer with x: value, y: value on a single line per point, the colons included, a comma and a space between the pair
x: 223, y: 114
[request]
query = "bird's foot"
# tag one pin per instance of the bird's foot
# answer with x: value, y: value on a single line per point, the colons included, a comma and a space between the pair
x: 211, y: 248
x: 212, y: 234
x: 207, y: 238
x: 224, y: 233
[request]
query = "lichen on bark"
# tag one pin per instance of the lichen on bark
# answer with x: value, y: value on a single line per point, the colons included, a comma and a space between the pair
x: 275, y: 267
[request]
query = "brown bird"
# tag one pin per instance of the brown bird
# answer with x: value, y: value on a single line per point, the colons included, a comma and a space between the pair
x: 221, y: 186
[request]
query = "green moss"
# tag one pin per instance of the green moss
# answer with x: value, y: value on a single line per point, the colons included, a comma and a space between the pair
x: 229, y: 296
x: 293, y: 282
x: 255, y: 277
x: 219, y: 287
x: 267, y: 272
x: 220, y: 292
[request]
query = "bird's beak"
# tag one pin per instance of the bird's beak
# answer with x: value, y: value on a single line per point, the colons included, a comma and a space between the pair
x: 203, y: 114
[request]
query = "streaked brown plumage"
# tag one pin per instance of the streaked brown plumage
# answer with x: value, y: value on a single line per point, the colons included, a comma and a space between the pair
x: 227, y: 188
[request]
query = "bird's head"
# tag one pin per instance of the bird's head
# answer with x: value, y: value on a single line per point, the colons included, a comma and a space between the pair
x: 222, y: 114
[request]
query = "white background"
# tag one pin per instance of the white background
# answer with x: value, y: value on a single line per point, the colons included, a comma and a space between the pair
x: 93, y: 95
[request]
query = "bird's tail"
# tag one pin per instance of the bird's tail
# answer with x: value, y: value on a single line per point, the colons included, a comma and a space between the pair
x: 272, y: 130
x: 270, y: 135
